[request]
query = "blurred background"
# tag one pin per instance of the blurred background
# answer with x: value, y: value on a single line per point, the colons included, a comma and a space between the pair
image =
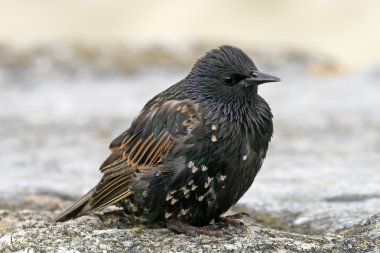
x: 73, y: 74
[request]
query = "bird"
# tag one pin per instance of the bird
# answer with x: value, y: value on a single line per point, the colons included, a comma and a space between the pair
x: 193, y: 150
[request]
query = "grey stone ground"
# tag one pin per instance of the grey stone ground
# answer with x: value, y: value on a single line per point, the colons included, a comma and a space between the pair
x: 34, y: 231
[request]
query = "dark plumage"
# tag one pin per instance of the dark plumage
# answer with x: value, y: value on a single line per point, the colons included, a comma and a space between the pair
x: 194, y: 149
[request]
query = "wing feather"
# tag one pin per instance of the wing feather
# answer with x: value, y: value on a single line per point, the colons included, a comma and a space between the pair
x: 105, y: 189
x: 152, y: 135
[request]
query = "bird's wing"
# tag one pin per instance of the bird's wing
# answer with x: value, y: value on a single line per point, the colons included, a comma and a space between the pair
x: 153, y: 134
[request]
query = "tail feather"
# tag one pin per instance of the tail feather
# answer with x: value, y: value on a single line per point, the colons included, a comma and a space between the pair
x: 78, y: 209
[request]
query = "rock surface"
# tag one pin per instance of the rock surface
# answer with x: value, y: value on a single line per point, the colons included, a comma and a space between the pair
x: 112, y: 231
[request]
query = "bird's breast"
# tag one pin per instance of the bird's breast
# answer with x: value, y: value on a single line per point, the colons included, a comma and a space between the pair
x: 237, y: 156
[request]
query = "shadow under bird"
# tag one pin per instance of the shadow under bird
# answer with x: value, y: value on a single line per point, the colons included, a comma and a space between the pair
x: 193, y: 150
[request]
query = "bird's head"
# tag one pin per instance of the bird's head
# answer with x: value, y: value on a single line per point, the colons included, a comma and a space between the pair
x: 226, y: 73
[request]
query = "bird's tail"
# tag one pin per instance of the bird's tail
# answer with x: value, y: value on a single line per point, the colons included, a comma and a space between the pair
x: 78, y: 209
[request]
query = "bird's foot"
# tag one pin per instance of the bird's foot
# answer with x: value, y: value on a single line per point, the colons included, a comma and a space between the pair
x: 233, y: 220
x: 183, y: 227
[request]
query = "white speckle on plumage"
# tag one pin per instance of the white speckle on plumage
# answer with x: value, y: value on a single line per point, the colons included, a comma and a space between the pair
x: 172, y: 192
x: 167, y: 215
x: 223, y: 186
x: 133, y: 207
x: 194, y: 169
x: 200, y: 198
x: 173, y: 201
x: 207, y: 183
x: 185, y: 190
x: 222, y: 177
x: 213, y: 138
x: 190, y: 182
x: 213, y: 127
x: 244, y: 157
x: 190, y: 165
x: 158, y: 173
x: 184, y: 211
x: 204, y: 168
x: 194, y: 187
x: 168, y: 197
x: 145, y: 193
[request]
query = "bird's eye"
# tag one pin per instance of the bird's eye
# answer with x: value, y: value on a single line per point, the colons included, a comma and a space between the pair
x: 254, y: 74
x: 229, y: 80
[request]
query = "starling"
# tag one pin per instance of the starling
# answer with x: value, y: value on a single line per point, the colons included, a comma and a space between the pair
x: 193, y: 150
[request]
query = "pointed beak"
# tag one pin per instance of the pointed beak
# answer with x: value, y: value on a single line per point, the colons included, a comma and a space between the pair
x: 259, y: 78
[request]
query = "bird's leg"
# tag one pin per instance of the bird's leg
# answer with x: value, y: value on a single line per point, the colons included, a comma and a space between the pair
x: 183, y: 227
x: 234, y: 219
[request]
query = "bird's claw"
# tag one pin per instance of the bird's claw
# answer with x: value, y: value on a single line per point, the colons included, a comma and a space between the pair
x: 211, y: 230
